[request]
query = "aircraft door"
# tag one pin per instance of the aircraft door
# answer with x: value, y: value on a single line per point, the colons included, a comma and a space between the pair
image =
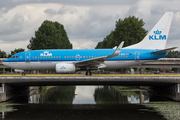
x: 77, y: 57
x: 137, y: 56
x: 27, y: 57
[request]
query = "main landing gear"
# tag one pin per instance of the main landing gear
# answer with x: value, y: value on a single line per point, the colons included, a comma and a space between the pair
x: 23, y: 73
x: 88, y: 73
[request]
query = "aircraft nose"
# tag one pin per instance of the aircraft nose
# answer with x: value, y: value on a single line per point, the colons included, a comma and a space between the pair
x: 5, y: 62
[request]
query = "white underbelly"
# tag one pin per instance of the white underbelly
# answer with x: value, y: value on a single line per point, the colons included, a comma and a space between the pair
x: 32, y: 65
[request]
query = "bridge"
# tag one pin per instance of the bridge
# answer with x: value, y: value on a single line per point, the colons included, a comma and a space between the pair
x: 168, y: 84
x: 90, y: 80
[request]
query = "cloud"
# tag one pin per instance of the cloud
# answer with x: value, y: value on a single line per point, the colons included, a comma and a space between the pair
x: 10, y: 46
x: 86, y: 22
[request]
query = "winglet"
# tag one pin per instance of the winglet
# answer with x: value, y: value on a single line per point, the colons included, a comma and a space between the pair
x: 121, y: 45
x: 117, y: 51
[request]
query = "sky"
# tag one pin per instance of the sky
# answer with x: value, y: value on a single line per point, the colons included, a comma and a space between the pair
x: 86, y: 22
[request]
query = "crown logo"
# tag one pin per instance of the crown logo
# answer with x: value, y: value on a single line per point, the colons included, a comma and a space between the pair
x: 157, y: 32
x: 63, y: 67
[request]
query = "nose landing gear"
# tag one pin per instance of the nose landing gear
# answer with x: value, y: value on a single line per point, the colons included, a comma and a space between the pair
x: 23, y: 73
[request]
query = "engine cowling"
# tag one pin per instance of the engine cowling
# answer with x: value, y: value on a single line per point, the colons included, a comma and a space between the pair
x: 65, y: 68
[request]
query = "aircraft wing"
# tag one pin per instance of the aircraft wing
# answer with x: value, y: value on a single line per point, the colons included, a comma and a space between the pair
x: 99, y: 60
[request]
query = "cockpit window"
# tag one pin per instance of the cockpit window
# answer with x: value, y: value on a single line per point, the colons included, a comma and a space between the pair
x: 14, y: 57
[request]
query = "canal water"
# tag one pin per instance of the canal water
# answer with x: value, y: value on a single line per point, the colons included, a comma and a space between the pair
x: 90, y: 103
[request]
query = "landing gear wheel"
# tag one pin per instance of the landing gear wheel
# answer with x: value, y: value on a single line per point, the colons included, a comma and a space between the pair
x: 23, y: 74
x: 88, y: 73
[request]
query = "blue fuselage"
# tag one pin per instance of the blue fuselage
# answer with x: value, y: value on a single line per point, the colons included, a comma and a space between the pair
x: 73, y: 59
x: 83, y: 54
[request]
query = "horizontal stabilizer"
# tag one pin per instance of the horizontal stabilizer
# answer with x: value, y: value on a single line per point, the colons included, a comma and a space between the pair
x: 163, y: 51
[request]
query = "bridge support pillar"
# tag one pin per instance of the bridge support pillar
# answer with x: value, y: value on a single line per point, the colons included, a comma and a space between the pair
x: 176, y: 89
x: 165, y: 92
x: 3, y: 88
x: 3, y: 93
x: 141, y: 97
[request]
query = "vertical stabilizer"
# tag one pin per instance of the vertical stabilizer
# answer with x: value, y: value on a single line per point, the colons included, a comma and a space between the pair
x: 157, y: 37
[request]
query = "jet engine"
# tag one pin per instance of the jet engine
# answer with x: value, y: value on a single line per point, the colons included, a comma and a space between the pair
x: 65, y: 68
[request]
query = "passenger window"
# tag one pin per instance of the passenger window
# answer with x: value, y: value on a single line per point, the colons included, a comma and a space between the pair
x: 72, y: 56
x: 59, y: 56
x: 46, y: 56
x: 43, y: 57
x: 92, y: 56
x: 86, y: 56
x: 83, y: 56
x: 33, y: 57
x: 36, y: 57
x: 64, y: 56
x: 80, y: 56
x: 56, y: 56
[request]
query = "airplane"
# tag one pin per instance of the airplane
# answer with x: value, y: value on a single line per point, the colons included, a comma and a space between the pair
x: 63, y: 61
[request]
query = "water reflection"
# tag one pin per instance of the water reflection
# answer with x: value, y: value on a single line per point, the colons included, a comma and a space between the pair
x: 91, y: 95
x: 50, y: 104
x: 107, y: 95
x: 58, y: 95
x: 84, y: 95
x: 119, y: 95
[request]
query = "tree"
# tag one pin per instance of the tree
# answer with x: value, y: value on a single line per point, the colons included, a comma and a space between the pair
x: 50, y: 35
x: 129, y: 30
x: 15, y: 51
x: 3, y: 54
x: 173, y: 54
